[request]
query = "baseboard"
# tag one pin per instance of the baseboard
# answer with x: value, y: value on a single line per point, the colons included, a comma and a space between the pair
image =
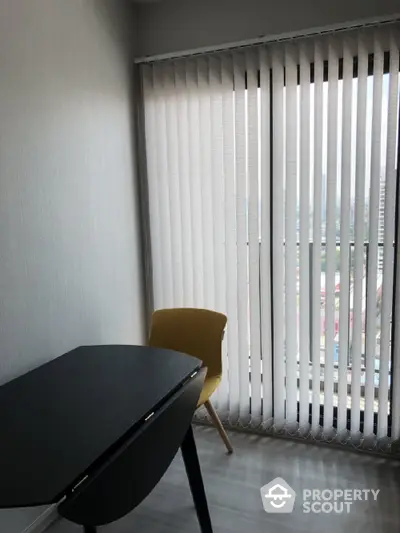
x: 43, y: 521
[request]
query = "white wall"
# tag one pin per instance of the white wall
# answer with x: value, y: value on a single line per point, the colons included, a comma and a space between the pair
x: 70, y: 265
x: 172, y: 25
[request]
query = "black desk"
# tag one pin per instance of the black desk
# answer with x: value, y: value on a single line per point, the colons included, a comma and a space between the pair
x: 97, y: 428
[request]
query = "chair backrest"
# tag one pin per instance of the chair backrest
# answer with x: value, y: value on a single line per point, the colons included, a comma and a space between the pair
x: 196, y: 332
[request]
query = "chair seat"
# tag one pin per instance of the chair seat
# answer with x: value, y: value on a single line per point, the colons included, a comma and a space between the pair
x: 210, y: 384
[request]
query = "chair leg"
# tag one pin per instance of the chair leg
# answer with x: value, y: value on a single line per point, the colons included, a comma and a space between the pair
x: 215, y: 418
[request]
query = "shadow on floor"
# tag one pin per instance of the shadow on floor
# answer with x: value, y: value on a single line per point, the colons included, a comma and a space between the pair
x: 233, y: 485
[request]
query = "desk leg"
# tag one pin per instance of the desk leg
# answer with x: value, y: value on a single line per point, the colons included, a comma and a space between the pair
x: 192, y: 465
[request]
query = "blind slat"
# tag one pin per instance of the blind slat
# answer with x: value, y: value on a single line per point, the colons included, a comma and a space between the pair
x: 345, y: 237
x: 152, y: 165
x: 162, y: 179
x: 277, y: 240
x: 254, y: 235
x: 241, y: 216
x: 317, y: 221
x: 372, y: 271
x: 265, y: 201
x: 304, y: 351
x: 290, y: 235
x: 359, y: 248
x: 388, y: 248
x: 171, y: 136
x: 333, y: 69
x: 396, y: 358
x: 230, y: 234
x: 205, y: 180
x: 195, y: 183
x: 218, y: 209
x: 185, y: 200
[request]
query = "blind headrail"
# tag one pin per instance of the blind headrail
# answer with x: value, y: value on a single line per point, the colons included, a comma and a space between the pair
x: 265, y: 39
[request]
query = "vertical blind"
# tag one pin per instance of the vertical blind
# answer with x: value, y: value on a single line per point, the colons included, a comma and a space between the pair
x: 272, y: 178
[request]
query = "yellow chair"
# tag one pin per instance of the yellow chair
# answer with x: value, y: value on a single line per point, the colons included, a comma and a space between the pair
x: 196, y: 332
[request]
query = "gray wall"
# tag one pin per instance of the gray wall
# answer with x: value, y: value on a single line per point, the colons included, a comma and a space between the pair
x: 173, y: 25
x: 70, y: 266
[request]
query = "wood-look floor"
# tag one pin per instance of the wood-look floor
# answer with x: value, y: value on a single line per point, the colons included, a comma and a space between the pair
x: 233, y: 488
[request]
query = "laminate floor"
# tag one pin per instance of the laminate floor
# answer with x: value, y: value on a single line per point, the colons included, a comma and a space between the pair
x: 233, y: 490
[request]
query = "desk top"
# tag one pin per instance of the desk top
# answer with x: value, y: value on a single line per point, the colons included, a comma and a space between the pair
x: 61, y: 419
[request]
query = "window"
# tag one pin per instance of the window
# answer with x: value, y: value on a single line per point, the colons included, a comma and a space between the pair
x: 272, y: 185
